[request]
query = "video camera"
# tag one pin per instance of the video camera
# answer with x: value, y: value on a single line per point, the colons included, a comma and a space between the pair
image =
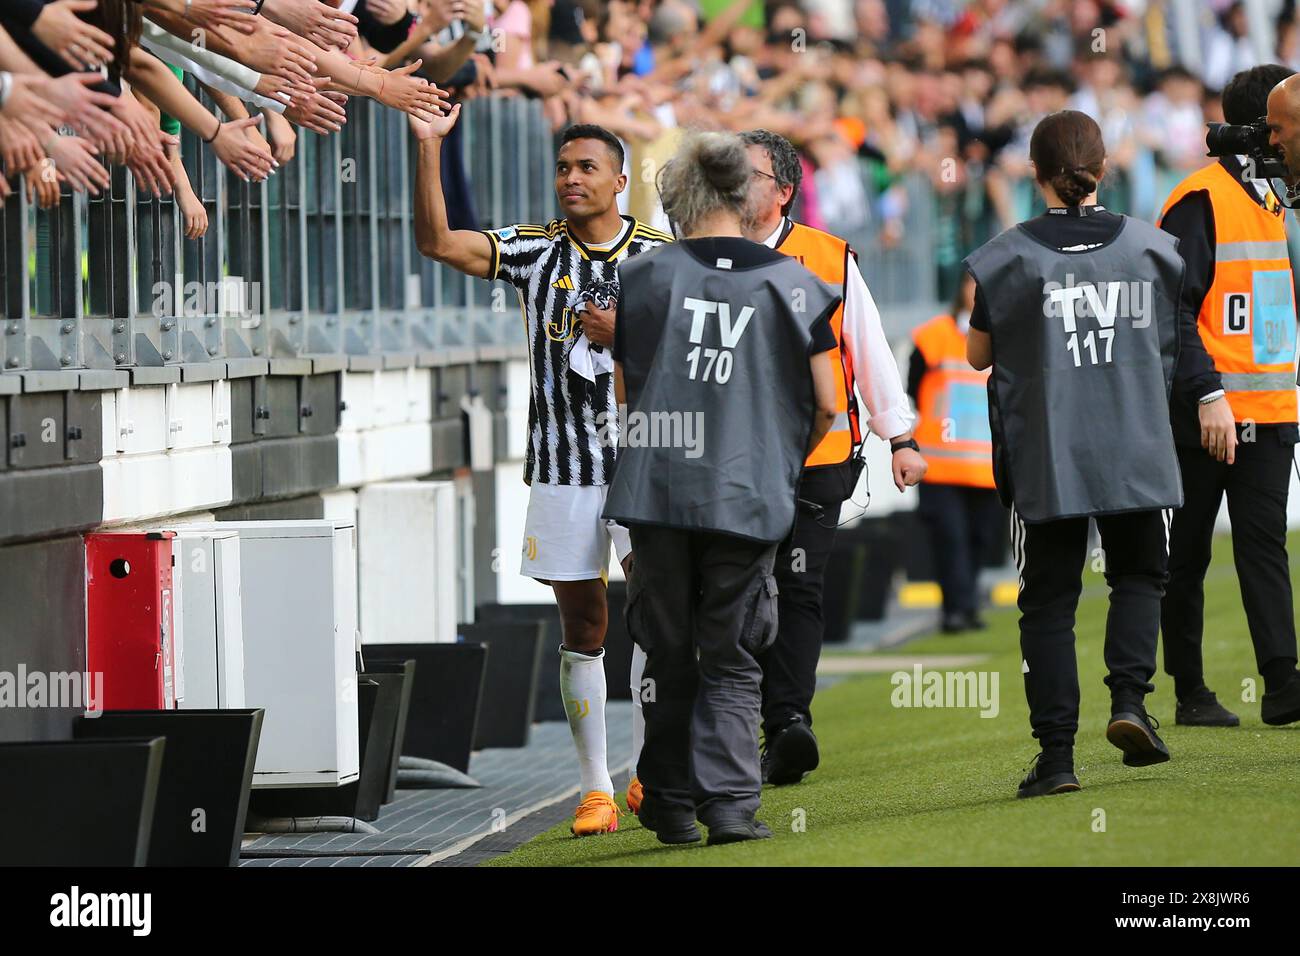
x: 1262, y: 160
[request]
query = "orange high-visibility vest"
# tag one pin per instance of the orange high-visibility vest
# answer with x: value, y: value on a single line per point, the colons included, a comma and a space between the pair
x: 952, y: 409
x: 1247, y: 319
x: 828, y: 258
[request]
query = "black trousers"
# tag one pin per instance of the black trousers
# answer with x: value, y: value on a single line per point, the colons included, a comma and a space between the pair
x: 701, y: 606
x: 790, y: 665
x: 962, y: 522
x: 1256, y: 485
x: 1050, y: 557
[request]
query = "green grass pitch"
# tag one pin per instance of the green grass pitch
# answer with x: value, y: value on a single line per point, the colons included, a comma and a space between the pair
x: 936, y: 787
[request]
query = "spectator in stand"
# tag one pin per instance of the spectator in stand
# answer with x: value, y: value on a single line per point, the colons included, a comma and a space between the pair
x: 945, y: 92
x: 1173, y: 127
x: 1226, y: 48
x: 1110, y: 101
x: 281, y: 56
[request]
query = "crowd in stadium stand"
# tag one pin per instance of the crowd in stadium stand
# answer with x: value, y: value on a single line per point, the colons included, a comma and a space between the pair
x: 942, y: 88
x: 947, y: 89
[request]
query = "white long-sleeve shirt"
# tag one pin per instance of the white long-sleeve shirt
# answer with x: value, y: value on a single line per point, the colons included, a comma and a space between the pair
x: 889, y: 413
x: 207, y: 66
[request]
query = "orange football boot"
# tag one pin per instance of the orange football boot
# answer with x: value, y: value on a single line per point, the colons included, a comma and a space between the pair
x: 634, y: 794
x: 597, y: 813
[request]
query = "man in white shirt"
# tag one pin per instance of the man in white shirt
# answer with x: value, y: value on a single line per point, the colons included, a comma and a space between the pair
x: 831, y: 471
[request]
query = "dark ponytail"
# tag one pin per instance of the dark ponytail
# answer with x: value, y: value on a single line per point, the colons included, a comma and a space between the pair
x: 120, y: 19
x: 1068, y: 154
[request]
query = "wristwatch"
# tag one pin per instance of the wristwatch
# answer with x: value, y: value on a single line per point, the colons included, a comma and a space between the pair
x: 895, y: 447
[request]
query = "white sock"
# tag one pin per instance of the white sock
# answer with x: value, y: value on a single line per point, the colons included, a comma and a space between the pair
x: 582, y: 685
x: 638, y: 715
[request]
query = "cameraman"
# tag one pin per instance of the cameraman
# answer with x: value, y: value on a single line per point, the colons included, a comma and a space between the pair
x: 1233, y: 413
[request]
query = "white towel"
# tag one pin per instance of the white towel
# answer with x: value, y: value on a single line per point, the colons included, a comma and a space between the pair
x: 589, y: 360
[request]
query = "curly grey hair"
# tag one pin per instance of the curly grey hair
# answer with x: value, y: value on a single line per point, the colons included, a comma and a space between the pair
x: 709, y: 172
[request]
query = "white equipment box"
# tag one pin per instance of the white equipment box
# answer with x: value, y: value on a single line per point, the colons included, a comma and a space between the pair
x: 210, y: 670
x: 299, y: 594
x: 408, y: 568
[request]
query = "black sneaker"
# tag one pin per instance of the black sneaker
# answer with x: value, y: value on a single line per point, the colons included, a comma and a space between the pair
x: 959, y: 622
x: 674, y: 826
x: 1283, y: 705
x: 1202, y: 709
x: 954, y: 624
x: 1135, y: 734
x: 1044, y: 780
x: 789, y: 753
x: 737, y: 831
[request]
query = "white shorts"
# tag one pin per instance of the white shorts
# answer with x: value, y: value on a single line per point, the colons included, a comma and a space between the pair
x: 565, y: 538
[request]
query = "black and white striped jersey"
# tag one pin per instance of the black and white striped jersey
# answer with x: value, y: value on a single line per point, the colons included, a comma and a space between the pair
x: 567, y: 415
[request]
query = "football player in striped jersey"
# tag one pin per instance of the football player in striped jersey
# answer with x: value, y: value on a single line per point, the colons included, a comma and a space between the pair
x: 562, y: 270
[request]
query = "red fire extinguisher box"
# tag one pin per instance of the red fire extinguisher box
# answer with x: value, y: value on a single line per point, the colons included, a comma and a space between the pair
x: 129, y: 626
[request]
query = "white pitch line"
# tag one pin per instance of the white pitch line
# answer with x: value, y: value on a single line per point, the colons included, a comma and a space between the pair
x: 464, y: 844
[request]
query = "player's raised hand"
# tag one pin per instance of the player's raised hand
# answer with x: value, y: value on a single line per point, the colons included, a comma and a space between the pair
x: 437, y: 127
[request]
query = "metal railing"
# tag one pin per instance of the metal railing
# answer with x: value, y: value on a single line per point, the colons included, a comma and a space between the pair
x: 320, y: 260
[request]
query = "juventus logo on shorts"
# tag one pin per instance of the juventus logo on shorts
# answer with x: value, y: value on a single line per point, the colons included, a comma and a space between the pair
x: 530, y: 547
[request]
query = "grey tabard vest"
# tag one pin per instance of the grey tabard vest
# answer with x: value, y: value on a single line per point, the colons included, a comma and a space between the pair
x: 719, y: 394
x: 1084, y: 345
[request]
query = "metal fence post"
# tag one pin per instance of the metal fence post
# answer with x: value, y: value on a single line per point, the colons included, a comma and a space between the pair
x: 19, y: 295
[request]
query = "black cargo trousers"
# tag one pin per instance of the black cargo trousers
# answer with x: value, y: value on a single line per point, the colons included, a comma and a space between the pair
x: 702, y: 606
